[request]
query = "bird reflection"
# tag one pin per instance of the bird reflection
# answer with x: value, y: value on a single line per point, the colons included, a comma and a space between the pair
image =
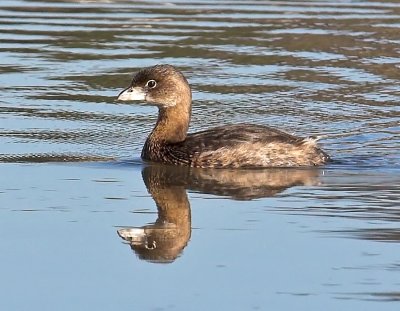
x: 164, y: 240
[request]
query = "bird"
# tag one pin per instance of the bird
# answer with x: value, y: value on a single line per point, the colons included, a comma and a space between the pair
x: 226, y: 146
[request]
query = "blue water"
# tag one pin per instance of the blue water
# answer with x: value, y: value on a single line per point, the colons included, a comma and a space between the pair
x: 62, y: 251
x: 86, y: 225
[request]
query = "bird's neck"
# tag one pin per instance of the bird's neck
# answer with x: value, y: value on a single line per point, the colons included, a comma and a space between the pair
x: 172, y: 124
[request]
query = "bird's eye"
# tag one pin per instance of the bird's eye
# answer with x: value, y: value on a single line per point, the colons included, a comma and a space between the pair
x: 151, y: 84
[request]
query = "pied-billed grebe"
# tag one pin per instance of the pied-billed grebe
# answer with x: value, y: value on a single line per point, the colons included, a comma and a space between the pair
x: 230, y: 146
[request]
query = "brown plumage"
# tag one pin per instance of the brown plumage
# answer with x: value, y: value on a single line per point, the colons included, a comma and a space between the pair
x: 230, y: 146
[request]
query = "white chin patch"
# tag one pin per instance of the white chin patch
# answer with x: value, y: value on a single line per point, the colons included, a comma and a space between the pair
x: 135, y: 93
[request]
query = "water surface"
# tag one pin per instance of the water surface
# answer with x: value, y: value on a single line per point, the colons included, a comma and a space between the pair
x: 86, y: 225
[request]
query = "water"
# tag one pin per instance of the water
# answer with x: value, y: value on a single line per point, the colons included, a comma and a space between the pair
x: 72, y: 180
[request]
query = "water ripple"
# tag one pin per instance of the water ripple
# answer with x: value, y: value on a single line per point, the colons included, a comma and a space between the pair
x: 311, y: 67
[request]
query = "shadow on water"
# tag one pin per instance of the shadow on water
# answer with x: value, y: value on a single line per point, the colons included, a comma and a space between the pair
x: 164, y: 240
x: 50, y: 157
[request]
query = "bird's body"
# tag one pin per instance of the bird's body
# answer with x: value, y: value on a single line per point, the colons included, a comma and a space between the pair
x: 233, y: 146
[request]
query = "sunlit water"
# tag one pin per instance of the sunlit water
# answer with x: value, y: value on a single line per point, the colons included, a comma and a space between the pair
x: 111, y: 232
